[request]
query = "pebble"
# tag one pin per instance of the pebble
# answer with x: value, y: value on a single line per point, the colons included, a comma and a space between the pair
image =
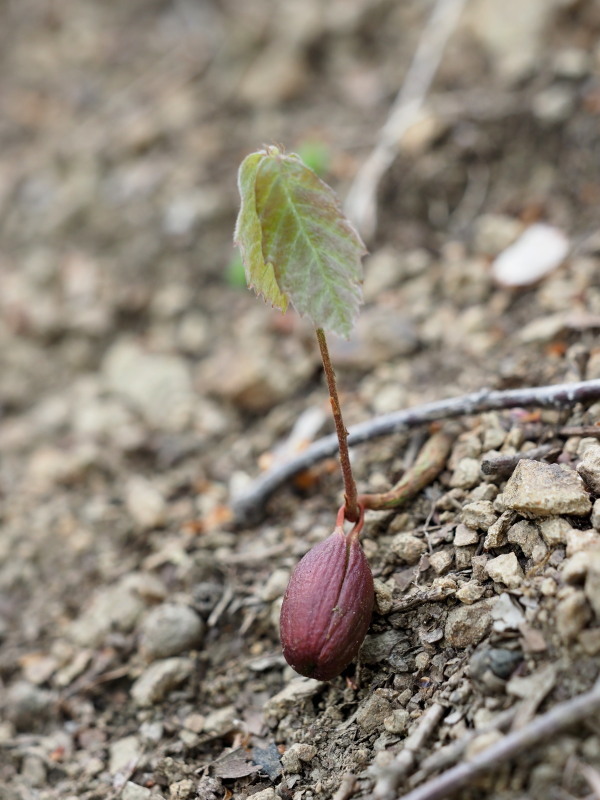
x: 133, y: 791
x: 595, y: 518
x: 505, y: 569
x: 290, y: 696
x: 384, y: 596
x: 159, y: 678
x: 539, y: 489
x: 589, y: 639
x: 117, y: 607
x: 158, y: 386
x: 295, y: 755
x: 582, y: 541
x: 572, y: 615
x: 221, y: 721
x: 470, y: 592
x: 464, y: 536
x: 33, y: 771
x: 525, y: 535
x: 276, y: 585
x: 574, y: 569
x: 123, y: 753
x: 441, y: 561
x: 397, y: 722
x: 589, y: 469
x: 554, y: 104
x: 592, y: 582
x: 468, y: 624
x: 27, y: 706
x: 494, y: 233
x: 372, y: 711
x: 145, y: 503
x: 497, y: 533
x: 264, y: 794
x: 170, y: 629
x: 554, y: 530
x: 408, y: 548
x: 467, y: 474
x: 479, y: 515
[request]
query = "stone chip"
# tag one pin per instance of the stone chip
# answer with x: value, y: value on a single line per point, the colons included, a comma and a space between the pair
x: 539, y: 489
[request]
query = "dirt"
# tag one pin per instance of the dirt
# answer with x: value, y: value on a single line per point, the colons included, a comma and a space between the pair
x: 142, y: 389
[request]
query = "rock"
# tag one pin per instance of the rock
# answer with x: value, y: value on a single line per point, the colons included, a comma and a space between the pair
x: 145, y: 503
x: 464, y: 536
x: 467, y: 474
x: 158, y: 386
x: 467, y: 625
x: 592, y: 582
x: 383, y: 596
x: 539, y: 489
x: 596, y: 515
x: 372, y: 711
x: 27, y: 706
x: 115, y: 607
x: 159, y: 678
x: 554, y: 104
x: 33, y: 771
x: 540, y: 249
x: 589, y: 469
x: 221, y: 721
x: 123, y: 753
x: 408, y: 548
x: 397, y: 722
x: 170, y: 629
x: 378, y: 647
x: 574, y: 569
x: 497, y: 533
x: 494, y: 233
x: 276, y: 585
x: 133, y: 791
x: 589, y: 639
x: 582, y: 541
x: 554, y: 530
x: 182, y: 790
x: 264, y: 794
x: 507, y: 614
x: 441, y: 561
x: 505, y: 569
x: 525, y: 534
x: 291, y: 695
x: 470, y: 592
x: 572, y: 615
x: 479, y: 515
x: 295, y: 755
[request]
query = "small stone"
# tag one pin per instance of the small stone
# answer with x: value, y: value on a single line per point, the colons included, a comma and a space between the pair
x: 276, y: 585
x: 159, y: 678
x: 574, y: 569
x: 507, y: 614
x: 468, y: 624
x: 526, y: 536
x: 145, y: 503
x: 572, y: 615
x: 464, y: 536
x: 539, y: 489
x: 221, y: 721
x: 170, y: 629
x: 589, y: 468
x: 27, y: 706
x: 264, y: 794
x: 592, y: 582
x: 578, y: 541
x: 497, y: 533
x: 441, y: 561
x: 295, y: 755
x: 595, y: 520
x: 373, y: 711
x: 383, y: 596
x: 505, y: 569
x: 133, y: 791
x: 182, y: 790
x: 33, y: 771
x: 589, y: 639
x: 467, y: 474
x: 463, y: 557
x: 408, y: 548
x: 123, y: 753
x: 290, y: 696
x: 554, y: 530
x: 397, y: 722
x: 470, y: 592
x: 479, y: 515
x: 554, y: 104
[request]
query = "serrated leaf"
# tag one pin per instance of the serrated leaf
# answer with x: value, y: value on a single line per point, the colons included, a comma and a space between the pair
x: 296, y: 242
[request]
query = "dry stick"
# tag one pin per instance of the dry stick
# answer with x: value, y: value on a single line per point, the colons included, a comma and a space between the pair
x: 247, y: 506
x: 549, y: 724
x: 361, y: 203
x: 351, y: 509
x: 428, y: 465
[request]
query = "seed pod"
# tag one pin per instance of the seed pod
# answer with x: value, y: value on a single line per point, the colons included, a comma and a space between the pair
x: 327, y: 606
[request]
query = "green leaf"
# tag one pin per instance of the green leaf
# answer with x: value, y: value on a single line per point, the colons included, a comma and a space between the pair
x: 296, y: 243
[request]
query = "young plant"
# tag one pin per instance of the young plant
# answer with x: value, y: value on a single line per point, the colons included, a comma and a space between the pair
x: 298, y: 247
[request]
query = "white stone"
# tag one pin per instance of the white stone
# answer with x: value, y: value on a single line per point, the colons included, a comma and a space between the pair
x: 505, y: 569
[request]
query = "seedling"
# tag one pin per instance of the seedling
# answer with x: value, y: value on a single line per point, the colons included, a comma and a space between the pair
x: 297, y: 246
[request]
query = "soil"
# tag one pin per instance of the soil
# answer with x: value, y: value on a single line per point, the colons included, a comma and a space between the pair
x: 142, y: 389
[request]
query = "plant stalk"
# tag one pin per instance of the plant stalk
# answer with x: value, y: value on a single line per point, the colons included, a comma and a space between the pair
x: 351, y: 507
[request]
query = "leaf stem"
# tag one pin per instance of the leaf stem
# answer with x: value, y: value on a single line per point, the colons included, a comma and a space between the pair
x: 351, y: 508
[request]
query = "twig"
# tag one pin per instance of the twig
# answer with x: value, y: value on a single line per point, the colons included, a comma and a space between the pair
x: 429, y: 463
x: 547, y: 725
x: 503, y: 465
x: 361, y: 202
x: 393, y: 774
x: 247, y: 506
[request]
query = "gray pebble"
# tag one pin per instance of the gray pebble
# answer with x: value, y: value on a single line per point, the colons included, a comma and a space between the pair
x: 169, y: 630
x: 468, y: 624
x: 539, y: 489
x: 505, y: 569
x: 158, y: 680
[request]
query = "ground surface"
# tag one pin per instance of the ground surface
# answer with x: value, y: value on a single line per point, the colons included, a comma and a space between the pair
x: 140, y: 390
